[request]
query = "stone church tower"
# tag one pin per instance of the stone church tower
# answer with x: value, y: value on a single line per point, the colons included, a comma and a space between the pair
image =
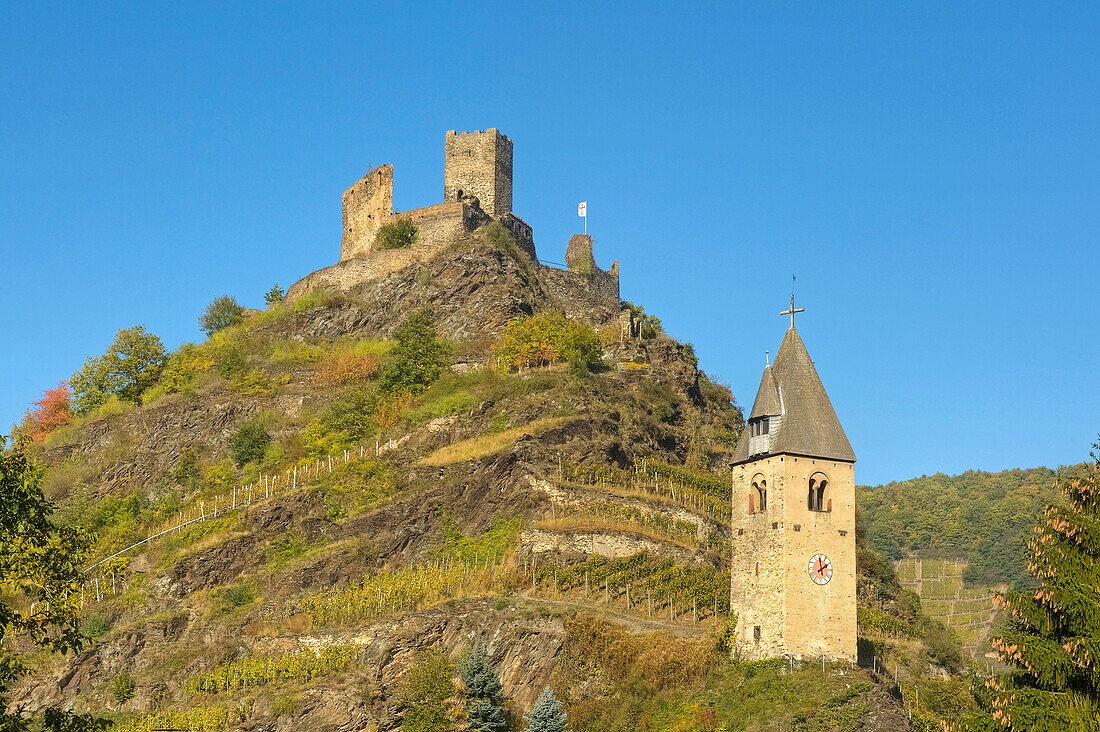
x: 794, y: 554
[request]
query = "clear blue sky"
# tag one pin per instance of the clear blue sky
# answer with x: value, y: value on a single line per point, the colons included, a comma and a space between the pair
x: 931, y: 173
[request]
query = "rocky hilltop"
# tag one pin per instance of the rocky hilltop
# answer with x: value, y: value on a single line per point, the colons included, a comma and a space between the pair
x: 320, y: 536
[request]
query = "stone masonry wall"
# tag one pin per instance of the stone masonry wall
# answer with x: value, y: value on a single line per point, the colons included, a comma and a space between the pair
x: 479, y: 164
x: 365, y: 205
x: 770, y: 583
x: 524, y: 235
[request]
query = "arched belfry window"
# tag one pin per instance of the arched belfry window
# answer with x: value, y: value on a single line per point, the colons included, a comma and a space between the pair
x: 817, y: 493
x: 758, y: 498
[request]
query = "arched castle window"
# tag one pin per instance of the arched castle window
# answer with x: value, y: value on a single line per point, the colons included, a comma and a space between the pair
x: 758, y: 497
x: 817, y: 494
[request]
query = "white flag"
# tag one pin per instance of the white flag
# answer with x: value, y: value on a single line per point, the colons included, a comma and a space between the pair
x: 582, y: 209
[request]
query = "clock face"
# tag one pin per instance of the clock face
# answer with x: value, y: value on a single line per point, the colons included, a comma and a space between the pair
x: 821, y: 569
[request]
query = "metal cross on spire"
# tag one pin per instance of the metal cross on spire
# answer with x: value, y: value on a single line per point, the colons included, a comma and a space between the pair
x: 793, y: 310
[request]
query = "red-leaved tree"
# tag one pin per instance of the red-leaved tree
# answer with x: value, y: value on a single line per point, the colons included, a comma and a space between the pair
x: 53, y: 411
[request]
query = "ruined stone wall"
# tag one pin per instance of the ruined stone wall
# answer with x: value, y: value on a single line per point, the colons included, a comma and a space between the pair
x: 523, y: 233
x: 479, y: 164
x: 365, y: 205
x: 346, y: 274
x: 770, y: 583
x: 442, y: 223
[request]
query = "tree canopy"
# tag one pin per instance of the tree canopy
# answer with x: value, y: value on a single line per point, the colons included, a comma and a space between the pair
x: 130, y: 366
x: 39, y: 583
x: 420, y: 355
x: 982, y: 517
x: 546, y: 338
x: 221, y: 313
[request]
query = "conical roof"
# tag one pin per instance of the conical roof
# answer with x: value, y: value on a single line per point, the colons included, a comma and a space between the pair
x: 791, y: 389
x: 767, y: 402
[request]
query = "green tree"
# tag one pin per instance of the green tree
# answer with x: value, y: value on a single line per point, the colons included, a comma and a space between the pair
x: 426, y: 693
x: 420, y: 355
x: 547, y: 716
x: 221, y: 313
x: 1053, y: 639
x: 274, y: 295
x: 398, y: 235
x: 484, y: 694
x: 250, y: 443
x: 129, y: 367
x: 39, y: 585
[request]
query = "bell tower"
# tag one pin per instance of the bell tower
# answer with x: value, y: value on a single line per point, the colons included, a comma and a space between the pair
x: 793, y: 569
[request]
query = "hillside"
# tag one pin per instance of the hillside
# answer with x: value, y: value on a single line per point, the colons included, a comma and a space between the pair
x: 981, y: 518
x: 317, y: 546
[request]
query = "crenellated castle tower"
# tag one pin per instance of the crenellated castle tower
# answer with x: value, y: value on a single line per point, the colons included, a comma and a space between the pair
x: 479, y: 164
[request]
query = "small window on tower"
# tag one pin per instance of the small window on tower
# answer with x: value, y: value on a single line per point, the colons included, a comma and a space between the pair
x: 756, y: 633
x: 764, y: 426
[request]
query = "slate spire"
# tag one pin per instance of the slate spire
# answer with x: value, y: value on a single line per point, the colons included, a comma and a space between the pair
x: 792, y: 413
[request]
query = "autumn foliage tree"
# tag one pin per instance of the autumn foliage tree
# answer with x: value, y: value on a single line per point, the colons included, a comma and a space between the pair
x: 546, y: 338
x: 1053, y: 640
x: 51, y: 412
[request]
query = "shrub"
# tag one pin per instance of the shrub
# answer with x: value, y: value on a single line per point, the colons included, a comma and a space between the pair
x: 238, y: 595
x: 344, y: 423
x: 274, y: 295
x: 290, y: 545
x: 186, y: 471
x: 547, y: 338
x: 220, y: 314
x: 128, y: 368
x: 232, y: 363
x: 296, y: 353
x: 96, y: 625
x: 250, y: 443
x: 426, y: 693
x: 122, y: 687
x: 219, y: 477
x: 311, y: 301
x: 340, y: 367
x: 255, y: 382
x: 420, y: 356
x: 398, y: 235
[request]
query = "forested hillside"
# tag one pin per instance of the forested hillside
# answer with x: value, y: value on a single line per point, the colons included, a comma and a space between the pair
x: 982, y: 518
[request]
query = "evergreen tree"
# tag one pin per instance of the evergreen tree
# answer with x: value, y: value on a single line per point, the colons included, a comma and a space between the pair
x: 274, y: 295
x: 548, y: 715
x: 1054, y: 635
x: 484, y: 694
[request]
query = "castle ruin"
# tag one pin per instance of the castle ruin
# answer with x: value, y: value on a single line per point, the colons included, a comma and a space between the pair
x: 477, y: 187
x: 477, y: 190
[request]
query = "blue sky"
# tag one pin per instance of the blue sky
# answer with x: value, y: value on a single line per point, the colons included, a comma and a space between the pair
x: 931, y: 173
